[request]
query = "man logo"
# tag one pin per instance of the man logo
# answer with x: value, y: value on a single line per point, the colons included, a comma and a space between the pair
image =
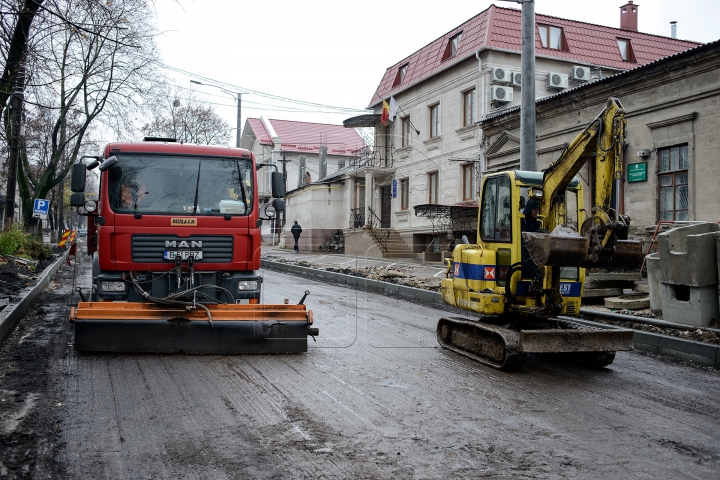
x: 183, y: 244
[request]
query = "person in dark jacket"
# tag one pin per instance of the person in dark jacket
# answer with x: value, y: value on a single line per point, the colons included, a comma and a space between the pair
x: 296, y: 230
x: 531, y: 224
x: 531, y: 211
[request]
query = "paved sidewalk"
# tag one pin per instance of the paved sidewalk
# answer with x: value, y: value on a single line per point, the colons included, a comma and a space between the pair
x: 434, y: 270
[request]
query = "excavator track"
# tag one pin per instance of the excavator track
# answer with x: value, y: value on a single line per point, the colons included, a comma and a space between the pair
x: 485, y: 343
x: 504, y: 348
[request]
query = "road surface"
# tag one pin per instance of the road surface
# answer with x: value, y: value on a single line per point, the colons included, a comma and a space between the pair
x: 375, y: 397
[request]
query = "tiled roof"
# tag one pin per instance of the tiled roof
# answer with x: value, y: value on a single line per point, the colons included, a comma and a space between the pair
x: 305, y: 137
x: 500, y: 28
x: 260, y: 131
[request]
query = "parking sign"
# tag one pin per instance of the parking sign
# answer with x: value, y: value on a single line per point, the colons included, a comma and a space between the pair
x: 40, y: 208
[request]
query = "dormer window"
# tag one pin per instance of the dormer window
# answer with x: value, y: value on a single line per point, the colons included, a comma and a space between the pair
x: 400, y: 75
x: 452, y: 46
x: 551, y: 37
x: 626, y: 52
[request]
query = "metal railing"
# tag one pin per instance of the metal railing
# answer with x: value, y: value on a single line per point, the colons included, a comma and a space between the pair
x: 365, y: 157
x: 379, y: 233
x: 357, y: 217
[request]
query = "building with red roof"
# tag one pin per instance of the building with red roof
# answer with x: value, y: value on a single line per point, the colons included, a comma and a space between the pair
x: 432, y: 150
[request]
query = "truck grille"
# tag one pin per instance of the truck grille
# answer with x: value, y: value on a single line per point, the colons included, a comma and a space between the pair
x: 151, y: 248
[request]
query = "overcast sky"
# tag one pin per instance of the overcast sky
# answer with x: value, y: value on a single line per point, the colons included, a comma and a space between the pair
x: 333, y: 53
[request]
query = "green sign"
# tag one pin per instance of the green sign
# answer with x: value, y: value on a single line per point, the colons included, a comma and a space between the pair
x: 637, y: 172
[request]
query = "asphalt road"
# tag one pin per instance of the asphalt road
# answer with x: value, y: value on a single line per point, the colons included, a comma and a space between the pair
x: 375, y: 397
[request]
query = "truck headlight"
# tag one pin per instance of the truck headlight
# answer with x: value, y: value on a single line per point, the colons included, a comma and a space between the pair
x: 247, y: 285
x: 90, y: 206
x: 112, y: 286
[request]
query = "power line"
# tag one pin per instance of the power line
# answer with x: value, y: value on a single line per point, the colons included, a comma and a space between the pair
x: 261, y: 94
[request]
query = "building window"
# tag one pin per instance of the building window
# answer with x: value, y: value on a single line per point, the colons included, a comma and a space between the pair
x: 452, y: 46
x: 435, y: 120
x: 433, y: 188
x: 400, y: 76
x: 626, y: 51
x: 551, y: 37
x: 404, y: 194
x: 468, y: 176
x: 673, y: 182
x: 469, y: 98
x: 406, y: 131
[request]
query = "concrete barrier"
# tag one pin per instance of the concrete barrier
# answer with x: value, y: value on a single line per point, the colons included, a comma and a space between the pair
x: 652, y: 262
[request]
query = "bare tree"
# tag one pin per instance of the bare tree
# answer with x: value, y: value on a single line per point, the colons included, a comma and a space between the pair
x: 92, y: 66
x: 183, y: 118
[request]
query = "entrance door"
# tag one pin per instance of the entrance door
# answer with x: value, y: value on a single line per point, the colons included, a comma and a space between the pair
x: 385, y: 210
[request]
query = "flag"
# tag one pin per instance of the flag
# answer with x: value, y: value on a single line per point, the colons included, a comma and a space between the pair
x: 393, y: 108
x: 385, y: 113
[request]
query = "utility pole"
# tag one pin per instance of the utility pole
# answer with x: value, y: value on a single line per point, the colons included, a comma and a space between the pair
x: 527, y: 104
x: 14, y: 144
x: 239, y: 119
x: 239, y: 109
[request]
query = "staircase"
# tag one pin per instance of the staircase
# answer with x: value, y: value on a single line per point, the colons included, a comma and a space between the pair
x: 396, y: 247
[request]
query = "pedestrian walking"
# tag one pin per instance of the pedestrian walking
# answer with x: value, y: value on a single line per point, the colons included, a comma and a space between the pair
x: 296, y: 230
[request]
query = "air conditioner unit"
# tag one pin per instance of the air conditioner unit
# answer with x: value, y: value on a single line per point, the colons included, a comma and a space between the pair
x: 501, y: 94
x: 500, y: 75
x: 516, y: 79
x: 580, y: 73
x: 557, y: 80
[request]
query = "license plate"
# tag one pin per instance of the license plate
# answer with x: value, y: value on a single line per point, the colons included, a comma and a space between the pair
x: 183, y: 254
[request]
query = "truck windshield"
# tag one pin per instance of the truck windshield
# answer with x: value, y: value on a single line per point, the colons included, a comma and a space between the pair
x: 162, y: 184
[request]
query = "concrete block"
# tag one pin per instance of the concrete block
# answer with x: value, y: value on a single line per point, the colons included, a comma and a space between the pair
x: 686, y: 252
x: 652, y: 262
x: 690, y: 305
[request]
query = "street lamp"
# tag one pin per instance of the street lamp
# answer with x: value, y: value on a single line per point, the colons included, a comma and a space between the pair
x: 239, y: 102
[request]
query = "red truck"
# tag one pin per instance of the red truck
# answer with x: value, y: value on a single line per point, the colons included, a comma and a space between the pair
x: 175, y: 243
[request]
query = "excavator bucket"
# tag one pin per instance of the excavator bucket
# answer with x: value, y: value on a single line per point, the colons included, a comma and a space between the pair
x: 221, y: 329
x: 564, y: 247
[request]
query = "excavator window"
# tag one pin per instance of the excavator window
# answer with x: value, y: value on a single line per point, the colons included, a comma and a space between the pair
x: 496, y: 216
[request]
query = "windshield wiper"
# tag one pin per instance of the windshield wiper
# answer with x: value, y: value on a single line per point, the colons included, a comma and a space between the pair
x: 197, y: 189
x: 242, y: 186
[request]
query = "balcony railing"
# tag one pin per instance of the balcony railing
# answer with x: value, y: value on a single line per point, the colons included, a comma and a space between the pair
x: 365, y: 157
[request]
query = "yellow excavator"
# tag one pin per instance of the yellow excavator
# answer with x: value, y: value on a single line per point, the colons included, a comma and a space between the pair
x: 525, y: 284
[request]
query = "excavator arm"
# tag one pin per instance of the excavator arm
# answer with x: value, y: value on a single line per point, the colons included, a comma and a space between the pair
x: 601, y: 241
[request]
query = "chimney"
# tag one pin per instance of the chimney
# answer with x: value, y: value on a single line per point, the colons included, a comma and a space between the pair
x: 673, y: 29
x: 628, y: 16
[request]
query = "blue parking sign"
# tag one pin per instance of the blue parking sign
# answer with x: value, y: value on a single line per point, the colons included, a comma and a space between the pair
x: 40, y: 208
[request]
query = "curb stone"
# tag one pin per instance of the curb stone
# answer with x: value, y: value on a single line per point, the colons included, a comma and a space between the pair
x: 11, y: 315
x: 704, y: 354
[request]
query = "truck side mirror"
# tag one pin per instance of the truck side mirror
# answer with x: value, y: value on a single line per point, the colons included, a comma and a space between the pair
x: 278, y: 186
x: 279, y: 205
x: 77, y: 199
x: 77, y: 181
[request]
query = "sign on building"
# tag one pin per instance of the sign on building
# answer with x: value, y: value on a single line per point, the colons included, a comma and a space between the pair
x: 637, y: 172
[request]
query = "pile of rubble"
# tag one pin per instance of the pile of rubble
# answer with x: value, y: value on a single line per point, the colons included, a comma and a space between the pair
x: 17, y: 273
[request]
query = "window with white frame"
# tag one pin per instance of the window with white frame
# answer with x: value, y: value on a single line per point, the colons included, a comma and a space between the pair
x: 551, y: 37
x: 433, y: 188
x: 434, y: 120
x: 469, y: 99
x: 468, y: 181
x: 406, y: 131
x: 404, y: 193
